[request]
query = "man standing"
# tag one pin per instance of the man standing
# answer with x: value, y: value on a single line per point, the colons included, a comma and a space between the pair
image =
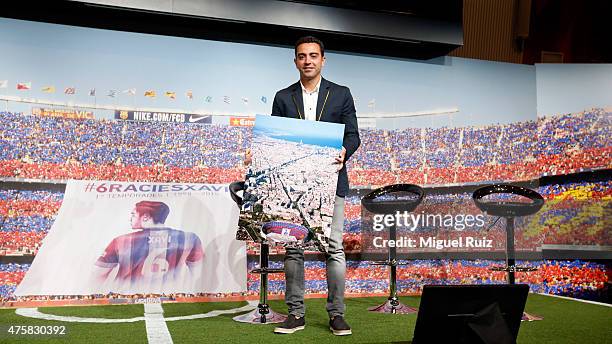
x: 316, y: 99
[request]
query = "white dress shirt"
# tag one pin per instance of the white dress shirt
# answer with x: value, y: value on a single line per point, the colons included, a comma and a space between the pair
x: 310, y: 101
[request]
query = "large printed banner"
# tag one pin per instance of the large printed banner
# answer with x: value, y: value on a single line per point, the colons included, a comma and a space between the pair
x: 140, y: 238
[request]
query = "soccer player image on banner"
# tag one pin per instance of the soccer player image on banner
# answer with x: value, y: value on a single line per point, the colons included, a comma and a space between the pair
x: 152, y: 255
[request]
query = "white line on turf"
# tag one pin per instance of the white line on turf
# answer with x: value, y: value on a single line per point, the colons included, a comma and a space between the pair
x: 578, y: 300
x: 35, y: 313
x: 157, y: 330
x: 250, y: 306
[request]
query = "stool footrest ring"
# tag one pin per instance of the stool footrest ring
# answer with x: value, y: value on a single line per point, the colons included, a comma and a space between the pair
x: 513, y: 268
x: 267, y: 271
x: 388, y: 263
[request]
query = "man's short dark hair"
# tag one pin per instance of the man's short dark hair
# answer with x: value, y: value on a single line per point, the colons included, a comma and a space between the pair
x: 158, y: 211
x: 310, y: 39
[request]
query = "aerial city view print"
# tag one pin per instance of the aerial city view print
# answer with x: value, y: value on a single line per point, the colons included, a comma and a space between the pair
x: 290, y: 185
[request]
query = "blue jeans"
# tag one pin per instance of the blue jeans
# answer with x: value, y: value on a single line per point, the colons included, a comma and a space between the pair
x: 336, y: 269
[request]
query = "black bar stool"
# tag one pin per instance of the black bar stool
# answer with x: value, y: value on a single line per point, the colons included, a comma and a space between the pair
x: 382, y: 201
x: 263, y: 314
x: 509, y: 210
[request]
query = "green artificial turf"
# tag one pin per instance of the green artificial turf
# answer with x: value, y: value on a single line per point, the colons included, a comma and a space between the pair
x: 178, y: 309
x: 78, y: 332
x: 565, y: 321
x: 111, y: 311
x: 367, y: 327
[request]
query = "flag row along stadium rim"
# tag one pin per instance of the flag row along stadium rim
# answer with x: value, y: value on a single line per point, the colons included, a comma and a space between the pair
x: 114, y: 107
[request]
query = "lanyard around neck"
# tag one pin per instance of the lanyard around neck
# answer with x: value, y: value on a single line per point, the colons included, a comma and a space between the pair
x: 300, y: 112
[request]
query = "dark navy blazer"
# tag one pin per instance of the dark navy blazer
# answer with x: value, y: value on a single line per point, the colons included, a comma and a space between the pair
x: 335, y: 104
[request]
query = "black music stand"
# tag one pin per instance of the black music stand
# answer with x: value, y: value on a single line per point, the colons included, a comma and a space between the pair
x: 375, y: 203
x: 509, y: 210
x: 263, y: 314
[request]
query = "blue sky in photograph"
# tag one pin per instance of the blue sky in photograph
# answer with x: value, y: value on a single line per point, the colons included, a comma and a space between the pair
x: 291, y: 129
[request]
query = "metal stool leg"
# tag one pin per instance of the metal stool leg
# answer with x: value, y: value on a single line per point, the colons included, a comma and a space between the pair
x: 263, y: 314
x: 511, y: 263
x: 393, y: 304
x: 510, y: 256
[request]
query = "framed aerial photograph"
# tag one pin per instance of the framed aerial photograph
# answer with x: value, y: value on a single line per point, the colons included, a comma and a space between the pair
x: 290, y: 186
